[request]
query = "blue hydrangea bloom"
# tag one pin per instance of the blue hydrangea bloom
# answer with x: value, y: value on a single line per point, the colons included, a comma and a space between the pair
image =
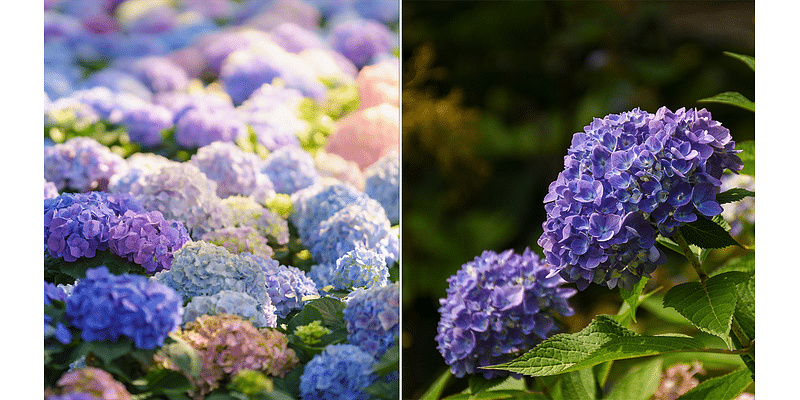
x: 361, y: 40
x: 81, y: 164
x: 232, y: 302
x: 158, y: 73
x: 147, y: 239
x: 342, y: 371
x: 322, y: 274
x: 50, y: 190
x: 147, y: 123
x: 497, y: 307
x: 236, y: 172
x: 286, y: 285
x: 245, y: 211
x: 626, y: 178
x: 354, y: 226
x: 104, y: 307
x: 372, y: 317
x: 205, y: 269
x: 72, y: 396
x: 118, y: 81
x: 290, y: 169
x: 382, y: 183
x: 360, y: 268
x: 201, y: 126
x: 58, y: 331
x: 77, y: 224
x: 315, y: 204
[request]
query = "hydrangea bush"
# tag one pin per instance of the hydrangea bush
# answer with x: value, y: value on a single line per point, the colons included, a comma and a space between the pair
x: 178, y: 138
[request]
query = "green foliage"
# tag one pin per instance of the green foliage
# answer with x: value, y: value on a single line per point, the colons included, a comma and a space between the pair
x: 748, y: 156
x: 722, y: 388
x: 57, y: 271
x: 183, y: 355
x: 434, y: 392
x: 707, y: 234
x: 578, y: 384
x: 735, y: 194
x: 639, y: 383
x: 732, y: 98
x: 632, y: 298
x: 750, y: 61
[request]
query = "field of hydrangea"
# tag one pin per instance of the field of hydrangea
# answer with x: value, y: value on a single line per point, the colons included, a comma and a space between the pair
x: 221, y: 199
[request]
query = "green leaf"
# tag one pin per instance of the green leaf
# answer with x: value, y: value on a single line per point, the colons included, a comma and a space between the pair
x: 575, y: 385
x: 707, y: 234
x: 749, y: 60
x: 328, y: 311
x: 744, y: 318
x: 390, y: 361
x: 639, y: 382
x: 725, y: 387
x: 631, y: 298
x: 708, y: 306
x: 732, y: 98
x: 735, y: 194
x: 477, y: 383
x: 109, y: 351
x: 748, y: 156
x: 166, y: 380
x: 744, y: 263
x: 498, y: 395
x: 183, y: 355
x: 435, y: 391
x: 603, y: 340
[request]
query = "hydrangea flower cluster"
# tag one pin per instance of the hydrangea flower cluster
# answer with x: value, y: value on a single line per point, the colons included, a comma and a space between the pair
x: 366, y: 135
x: 235, y: 171
x: 333, y: 166
x: 184, y: 193
x: 273, y: 114
x: 382, y: 183
x: 81, y: 164
x: 50, y: 190
x: 238, y: 240
x: 77, y: 224
x: 315, y: 204
x: 59, y: 331
x: 342, y: 371
x: 71, y: 396
x: 379, y: 83
x: 94, y: 382
x: 360, y: 268
x: 353, y: 227
x: 677, y: 380
x: 147, y: 239
x: 205, y: 269
x: 199, y: 127
x: 741, y: 215
x: 290, y: 169
x: 286, y: 285
x: 139, y: 165
x: 234, y: 303
x: 247, y: 212
x: 626, y: 178
x: 146, y: 123
x: 104, y: 307
x: 310, y: 334
x: 159, y: 73
x: 361, y: 40
x: 372, y: 317
x: 498, y: 306
x: 322, y: 274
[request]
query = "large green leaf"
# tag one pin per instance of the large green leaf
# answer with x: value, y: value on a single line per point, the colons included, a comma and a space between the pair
x: 631, y: 297
x: 748, y: 156
x: 707, y: 234
x: 579, y: 384
x: 183, y: 355
x: 603, y: 340
x: 710, y: 305
x: 744, y: 318
x: 734, y: 194
x: 327, y: 310
x: 749, y: 60
x: 498, y: 395
x: 435, y: 391
x: 638, y: 383
x: 725, y: 387
x: 733, y: 98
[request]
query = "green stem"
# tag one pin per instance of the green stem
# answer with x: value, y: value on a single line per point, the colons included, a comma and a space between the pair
x: 687, y: 252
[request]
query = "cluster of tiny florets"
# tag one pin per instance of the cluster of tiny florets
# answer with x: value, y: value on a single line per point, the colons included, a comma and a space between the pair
x: 372, y: 317
x: 234, y: 303
x: 81, y: 164
x: 147, y: 239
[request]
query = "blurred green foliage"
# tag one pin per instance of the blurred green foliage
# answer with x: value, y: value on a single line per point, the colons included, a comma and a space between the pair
x: 492, y: 93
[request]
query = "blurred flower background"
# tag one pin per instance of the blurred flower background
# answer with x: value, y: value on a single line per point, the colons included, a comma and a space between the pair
x: 492, y: 94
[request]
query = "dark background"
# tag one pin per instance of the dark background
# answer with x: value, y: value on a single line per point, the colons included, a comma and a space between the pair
x: 492, y: 93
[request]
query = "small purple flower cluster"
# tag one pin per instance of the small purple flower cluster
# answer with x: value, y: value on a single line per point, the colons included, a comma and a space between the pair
x: 81, y: 164
x: 372, y: 317
x: 290, y: 169
x: 147, y: 239
x: 235, y: 171
x: 286, y: 285
x: 92, y: 382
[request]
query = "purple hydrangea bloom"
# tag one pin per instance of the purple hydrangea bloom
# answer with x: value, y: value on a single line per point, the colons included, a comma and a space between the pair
x: 104, y: 307
x: 236, y: 172
x: 90, y: 380
x: 217, y: 47
x: 198, y: 127
x: 58, y: 331
x: 626, y: 178
x: 158, y: 73
x: 361, y: 40
x: 497, y: 307
x: 180, y: 103
x: 234, y: 303
x: 154, y: 20
x: 381, y: 10
x: 147, y: 239
x: 50, y: 190
x: 342, y: 371
x: 353, y: 227
x: 286, y: 285
x: 272, y: 113
x: 315, y: 204
x: 372, y: 317
x: 382, y: 183
x: 146, y: 123
x: 78, y: 225
x: 360, y: 268
x: 118, y: 81
x: 294, y: 38
x: 71, y: 396
x: 81, y: 164
x: 290, y: 169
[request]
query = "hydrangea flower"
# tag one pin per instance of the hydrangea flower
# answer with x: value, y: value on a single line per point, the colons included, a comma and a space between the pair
x: 379, y: 83
x: 294, y: 38
x: 290, y: 169
x: 315, y: 204
x: 626, y: 178
x: 677, y: 380
x: 139, y: 165
x: 95, y: 382
x: 342, y: 371
x: 157, y: 72
x: 201, y: 126
x: 147, y: 123
x: 331, y: 65
x: 334, y: 166
x: 204, y: 269
x: 217, y: 47
x: 497, y: 307
x: 77, y: 224
x: 740, y: 215
x: 242, y: 239
x: 182, y: 192
x: 360, y: 268
x: 71, y: 396
x: 234, y: 303
x: 50, y: 190
x: 59, y: 331
x: 364, y: 136
x: 286, y: 285
x: 372, y: 317
x: 382, y: 183
x: 247, y: 212
x: 354, y: 226
x: 104, y: 307
x: 235, y: 171
x: 118, y: 81
x: 361, y: 40
x: 81, y: 164
x: 322, y: 274
x: 312, y: 333
x: 147, y: 239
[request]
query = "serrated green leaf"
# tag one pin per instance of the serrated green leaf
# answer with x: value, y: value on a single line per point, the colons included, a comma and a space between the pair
x: 735, y: 194
x: 748, y: 156
x: 733, y: 98
x: 579, y: 384
x: 631, y: 298
x: 744, y: 263
x: 389, y: 361
x: 708, y: 306
x: 327, y: 310
x: 602, y: 340
x: 183, y: 355
x: 109, y: 351
x: 638, y: 383
x: 725, y: 387
x: 707, y: 234
x: 477, y: 383
x: 435, y: 391
x: 749, y: 60
x: 498, y: 395
x: 744, y: 318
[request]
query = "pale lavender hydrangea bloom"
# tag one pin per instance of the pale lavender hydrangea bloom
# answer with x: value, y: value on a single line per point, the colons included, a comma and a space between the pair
x: 290, y: 169
x: 382, y: 183
x: 235, y: 171
x: 147, y: 123
x: 286, y: 285
x: 198, y: 127
x: 241, y: 239
x: 50, y: 190
x: 81, y: 164
x: 118, y: 81
x: 354, y: 226
x: 159, y: 73
x: 294, y: 38
x: 360, y: 268
x: 139, y: 165
x: 234, y: 303
x: 247, y: 212
x: 147, y: 239
x: 271, y: 111
x: 361, y: 40
x: 334, y: 166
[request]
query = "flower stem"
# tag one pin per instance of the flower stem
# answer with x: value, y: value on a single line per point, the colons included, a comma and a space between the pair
x: 687, y: 252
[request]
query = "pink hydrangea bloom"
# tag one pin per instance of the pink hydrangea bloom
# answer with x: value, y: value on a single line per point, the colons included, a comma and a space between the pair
x: 365, y: 136
x: 94, y: 381
x: 379, y: 83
